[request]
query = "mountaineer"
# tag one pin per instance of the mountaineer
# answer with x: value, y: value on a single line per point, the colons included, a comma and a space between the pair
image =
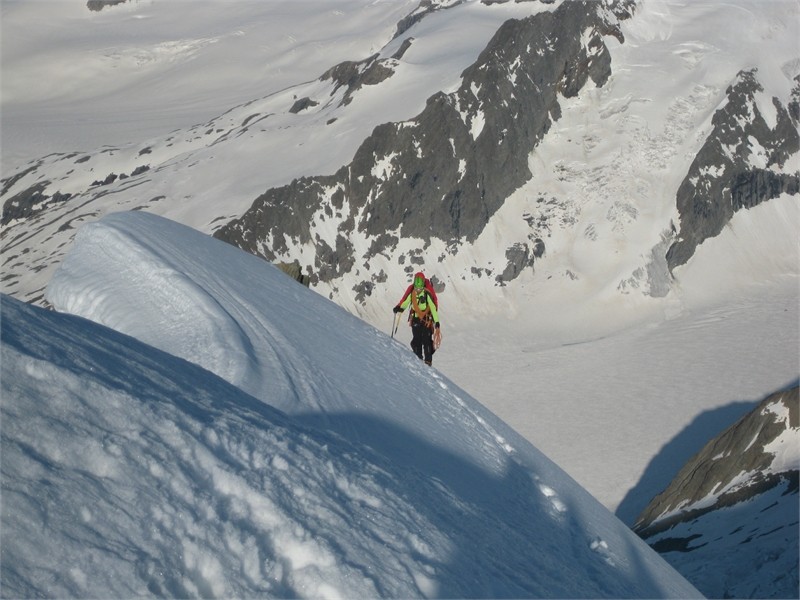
x: 426, y: 335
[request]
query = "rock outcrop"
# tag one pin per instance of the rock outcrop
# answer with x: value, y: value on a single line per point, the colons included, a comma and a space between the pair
x: 444, y: 173
x: 729, y: 521
x: 734, y: 466
x: 737, y: 167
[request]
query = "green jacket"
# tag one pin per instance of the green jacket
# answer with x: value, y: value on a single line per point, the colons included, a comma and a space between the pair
x: 424, y: 302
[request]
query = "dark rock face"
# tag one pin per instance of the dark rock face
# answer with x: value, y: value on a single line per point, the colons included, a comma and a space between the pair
x: 520, y: 256
x: 25, y: 204
x: 444, y: 173
x: 723, y: 178
x: 729, y: 520
x: 739, y: 449
x: 354, y: 75
x: 30, y: 202
x: 98, y: 5
x: 301, y: 105
x: 753, y: 187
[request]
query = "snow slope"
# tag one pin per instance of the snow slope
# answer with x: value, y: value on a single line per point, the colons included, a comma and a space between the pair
x: 381, y: 478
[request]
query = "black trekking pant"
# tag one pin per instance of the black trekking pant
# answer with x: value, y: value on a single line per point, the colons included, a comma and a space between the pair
x: 422, y: 341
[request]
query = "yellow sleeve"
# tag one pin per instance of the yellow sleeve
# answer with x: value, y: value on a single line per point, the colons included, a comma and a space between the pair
x: 434, y: 311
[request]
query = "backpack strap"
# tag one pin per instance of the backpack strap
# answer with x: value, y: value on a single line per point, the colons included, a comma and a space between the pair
x: 422, y: 315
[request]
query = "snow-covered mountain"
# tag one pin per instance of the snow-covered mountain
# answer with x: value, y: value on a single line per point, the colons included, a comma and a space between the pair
x: 439, y: 178
x: 604, y: 193
x: 209, y: 173
x: 471, y: 137
x: 739, y: 490
x: 128, y: 471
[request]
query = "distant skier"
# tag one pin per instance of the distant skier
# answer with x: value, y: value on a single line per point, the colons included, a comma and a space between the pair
x: 426, y: 336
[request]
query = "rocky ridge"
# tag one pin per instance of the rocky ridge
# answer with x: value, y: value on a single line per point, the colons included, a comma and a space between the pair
x: 443, y: 174
x: 739, y: 166
x: 731, y: 468
x: 45, y: 201
x: 734, y: 500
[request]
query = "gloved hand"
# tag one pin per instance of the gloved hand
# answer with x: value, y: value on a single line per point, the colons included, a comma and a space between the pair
x: 397, y: 309
x: 437, y: 337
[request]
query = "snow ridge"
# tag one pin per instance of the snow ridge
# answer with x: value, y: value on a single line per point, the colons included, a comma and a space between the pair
x: 245, y: 500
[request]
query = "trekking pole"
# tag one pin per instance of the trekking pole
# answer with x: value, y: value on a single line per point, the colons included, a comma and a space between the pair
x: 395, y: 323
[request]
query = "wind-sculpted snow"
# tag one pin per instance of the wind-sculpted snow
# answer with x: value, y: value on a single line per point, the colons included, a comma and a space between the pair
x: 242, y: 499
x: 234, y: 314
x: 128, y: 472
